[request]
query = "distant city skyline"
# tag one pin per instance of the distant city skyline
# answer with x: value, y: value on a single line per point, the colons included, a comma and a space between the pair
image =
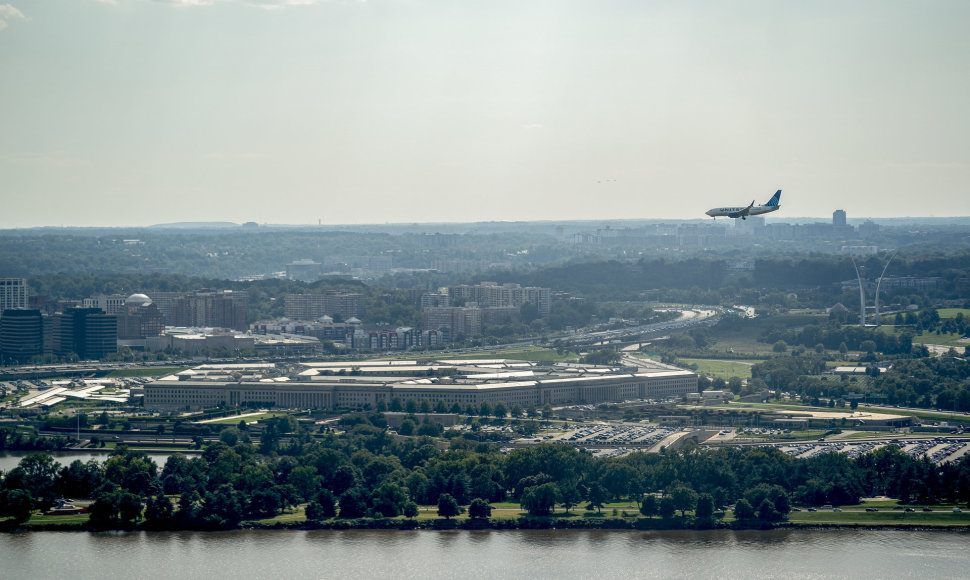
x: 140, y: 112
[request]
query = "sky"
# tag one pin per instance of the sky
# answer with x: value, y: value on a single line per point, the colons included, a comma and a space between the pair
x: 137, y: 112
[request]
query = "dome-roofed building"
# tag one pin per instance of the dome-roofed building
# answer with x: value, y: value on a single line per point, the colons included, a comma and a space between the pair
x: 138, y: 300
x: 139, y: 319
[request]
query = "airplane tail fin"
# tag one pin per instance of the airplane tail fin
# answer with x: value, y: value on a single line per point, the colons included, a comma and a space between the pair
x: 774, y: 199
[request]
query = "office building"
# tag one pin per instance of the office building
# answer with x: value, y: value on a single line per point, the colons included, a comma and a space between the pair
x: 13, y: 294
x: 838, y: 217
x: 204, y: 308
x: 110, y: 304
x: 21, y: 336
x: 362, y: 384
x: 87, y: 332
x: 139, y: 318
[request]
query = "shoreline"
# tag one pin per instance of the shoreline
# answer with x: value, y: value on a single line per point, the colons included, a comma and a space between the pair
x: 640, y: 525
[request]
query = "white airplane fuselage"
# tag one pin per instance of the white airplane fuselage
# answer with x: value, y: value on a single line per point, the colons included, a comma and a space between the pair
x: 743, y: 212
x: 755, y: 210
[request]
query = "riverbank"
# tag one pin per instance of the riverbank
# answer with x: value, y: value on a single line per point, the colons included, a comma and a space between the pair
x: 522, y: 523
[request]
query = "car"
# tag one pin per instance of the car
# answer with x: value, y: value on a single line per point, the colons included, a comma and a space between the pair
x: 909, y: 510
x: 812, y: 510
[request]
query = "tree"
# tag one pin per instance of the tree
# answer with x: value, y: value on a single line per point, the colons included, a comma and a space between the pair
x: 480, y: 509
x: 649, y: 505
x: 569, y: 495
x: 407, y: 427
x: 353, y: 503
x: 16, y: 503
x: 327, y: 503
x: 596, y: 496
x: 780, y: 346
x: 705, y: 507
x: 485, y: 409
x: 389, y: 499
x: 767, y: 512
x: 743, y: 510
x: 685, y: 498
x: 547, y: 411
x: 159, y: 513
x: 500, y: 410
x: 410, y: 510
x: 667, y: 507
x: 115, y: 509
x: 229, y: 436
x: 539, y: 500
x: 314, y: 512
x: 448, y: 506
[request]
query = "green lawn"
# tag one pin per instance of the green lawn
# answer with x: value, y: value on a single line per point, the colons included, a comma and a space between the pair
x: 67, y: 520
x: 235, y: 419
x: 944, y: 338
x: 952, y: 312
x: 724, y: 369
x: 884, y: 517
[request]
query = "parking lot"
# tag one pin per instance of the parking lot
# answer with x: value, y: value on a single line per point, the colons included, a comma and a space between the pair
x: 938, y: 449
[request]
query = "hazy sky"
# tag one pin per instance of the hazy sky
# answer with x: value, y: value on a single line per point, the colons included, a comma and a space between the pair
x: 133, y: 112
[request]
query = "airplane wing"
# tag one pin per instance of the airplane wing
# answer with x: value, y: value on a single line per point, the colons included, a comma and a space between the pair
x: 742, y: 213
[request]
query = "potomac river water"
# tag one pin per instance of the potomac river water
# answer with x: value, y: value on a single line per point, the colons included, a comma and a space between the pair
x: 557, y: 554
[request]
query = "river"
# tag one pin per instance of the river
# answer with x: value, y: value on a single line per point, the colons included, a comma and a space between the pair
x: 554, y: 554
x: 11, y: 459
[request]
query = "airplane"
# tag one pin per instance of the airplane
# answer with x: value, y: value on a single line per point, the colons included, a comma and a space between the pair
x: 744, y: 212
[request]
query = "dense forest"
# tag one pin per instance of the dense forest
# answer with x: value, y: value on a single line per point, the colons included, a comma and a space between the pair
x: 366, y: 473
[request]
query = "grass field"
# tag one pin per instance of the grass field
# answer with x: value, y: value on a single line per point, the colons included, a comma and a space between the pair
x: 235, y: 419
x: 884, y: 517
x: 944, y: 338
x: 952, y: 312
x: 724, y: 369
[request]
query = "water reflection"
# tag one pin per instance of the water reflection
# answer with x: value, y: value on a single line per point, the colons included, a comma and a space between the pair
x: 486, y: 554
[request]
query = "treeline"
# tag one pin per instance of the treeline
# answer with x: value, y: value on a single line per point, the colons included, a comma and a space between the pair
x: 929, y: 382
x: 833, y: 335
x: 367, y: 473
x: 14, y: 439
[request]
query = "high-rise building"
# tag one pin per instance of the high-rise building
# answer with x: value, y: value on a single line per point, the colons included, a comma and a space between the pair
x: 346, y: 304
x: 21, y: 336
x: 203, y: 308
x: 303, y: 306
x: 110, y: 303
x: 493, y: 295
x: 313, y: 306
x: 87, y: 332
x: 13, y: 294
x: 305, y: 270
x: 838, y: 217
x: 454, y: 321
x: 140, y: 318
